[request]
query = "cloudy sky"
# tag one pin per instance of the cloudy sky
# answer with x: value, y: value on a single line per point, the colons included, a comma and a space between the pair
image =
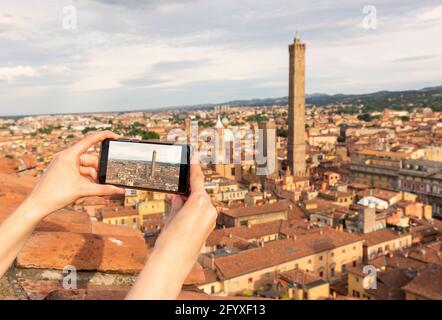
x: 143, y: 152
x: 140, y: 54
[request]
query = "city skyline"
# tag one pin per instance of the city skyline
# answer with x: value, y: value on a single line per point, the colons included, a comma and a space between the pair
x: 136, y: 63
x: 143, y: 152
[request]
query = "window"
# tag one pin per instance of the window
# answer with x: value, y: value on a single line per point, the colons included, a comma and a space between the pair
x: 250, y: 280
x: 354, y: 248
x: 332, y: 271
x: 343, y: 250
x: 309, y: 261
x: 357, y: 279
x: 332, y: 254
x: 356, y: 294
x: 344, y: 268
x: 354, y: 263
x: 212, y: 289
x: 321, y: 273
x: 320, y: 258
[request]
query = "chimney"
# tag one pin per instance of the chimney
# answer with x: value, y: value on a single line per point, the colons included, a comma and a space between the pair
x: 212, y: 261
x: 230, y: 236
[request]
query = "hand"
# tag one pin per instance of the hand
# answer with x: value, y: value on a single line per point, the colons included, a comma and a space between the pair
x: 66, y: 179
x: 194, y: 216
x: 177, y: 248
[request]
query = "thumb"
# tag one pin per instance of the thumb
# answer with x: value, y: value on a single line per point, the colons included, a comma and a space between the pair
x: 105, y: 190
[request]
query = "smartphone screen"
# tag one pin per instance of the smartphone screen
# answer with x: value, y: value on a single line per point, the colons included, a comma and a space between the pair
x: 145, y: 165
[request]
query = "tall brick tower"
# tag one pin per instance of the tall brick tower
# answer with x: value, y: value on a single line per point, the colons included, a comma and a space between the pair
x: 153, y: 164
x: 296, y: 132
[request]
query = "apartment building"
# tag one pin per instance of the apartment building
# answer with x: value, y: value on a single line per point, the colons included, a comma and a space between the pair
x: 326, y: 253
x: 424, y: 178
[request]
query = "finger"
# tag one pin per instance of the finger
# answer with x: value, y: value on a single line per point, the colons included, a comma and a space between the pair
x: 89, y: 160
x: 177, y: 204
x: 89, y: 172
x: 94, y: 189
x: 196, y: 178
x: 88, y: 141
x: 195, y: 156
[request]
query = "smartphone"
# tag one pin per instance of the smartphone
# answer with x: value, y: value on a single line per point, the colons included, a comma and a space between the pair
x: 138, y: 164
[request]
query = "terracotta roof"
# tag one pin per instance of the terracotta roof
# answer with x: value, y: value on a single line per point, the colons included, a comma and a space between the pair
x: 382, y: 194
x: 258, y: 210
x: 397, y: 261
x: 427, y: 283
x: 282, y: 251
x: 430, y: 253
x: 116, y: 212
x: 104, y: 294
x: 55, y: 250
x: 380, y: 236
x: 301, y: 277
x: 66, y: 220
x: 389, y: 284
x: 8, y: 165
x: 252, y: 232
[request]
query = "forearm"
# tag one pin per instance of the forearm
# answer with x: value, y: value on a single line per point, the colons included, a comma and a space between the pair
x: 15, y: 231
x: 165, y: 271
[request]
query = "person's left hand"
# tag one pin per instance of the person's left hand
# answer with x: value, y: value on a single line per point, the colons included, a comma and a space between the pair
x: 71, y: 175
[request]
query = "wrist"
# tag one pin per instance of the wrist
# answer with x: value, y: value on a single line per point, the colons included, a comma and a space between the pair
x: 33, y: 209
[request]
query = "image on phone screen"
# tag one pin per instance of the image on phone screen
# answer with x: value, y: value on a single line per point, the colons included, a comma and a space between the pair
x: 144, y: 165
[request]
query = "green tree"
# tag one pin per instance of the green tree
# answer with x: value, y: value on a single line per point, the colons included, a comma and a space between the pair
x: 365, y: 117
x: 88, y: 129
x: 150, y: 135
x: 281, y: 132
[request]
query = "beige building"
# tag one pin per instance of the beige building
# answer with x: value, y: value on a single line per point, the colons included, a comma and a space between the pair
x: 326, y: 253
x: 253, y: 215
x: 383, y: 242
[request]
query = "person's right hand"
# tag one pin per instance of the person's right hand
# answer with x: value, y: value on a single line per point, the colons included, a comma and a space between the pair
x: 177, y: 248
x: 193, y: 217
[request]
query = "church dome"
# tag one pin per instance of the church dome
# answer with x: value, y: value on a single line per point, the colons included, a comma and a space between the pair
x: 228, y: 135
x: 219, y: 124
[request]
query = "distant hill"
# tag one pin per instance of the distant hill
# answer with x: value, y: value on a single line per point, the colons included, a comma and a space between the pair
x: 377, y: 101
x: 398, y: 100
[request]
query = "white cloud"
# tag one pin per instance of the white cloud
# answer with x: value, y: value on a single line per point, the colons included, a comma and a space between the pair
x: 230, y: 50
x: 13, y: 73
x: 18, y: 73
